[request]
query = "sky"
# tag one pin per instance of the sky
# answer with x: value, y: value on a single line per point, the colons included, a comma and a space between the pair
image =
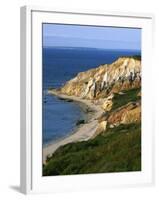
x: 58, y: 35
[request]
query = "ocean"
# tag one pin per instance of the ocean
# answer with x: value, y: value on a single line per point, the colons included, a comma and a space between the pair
x: 60, y: 64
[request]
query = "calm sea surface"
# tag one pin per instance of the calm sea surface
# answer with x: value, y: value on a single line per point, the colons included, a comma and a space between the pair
x: 59, y: 66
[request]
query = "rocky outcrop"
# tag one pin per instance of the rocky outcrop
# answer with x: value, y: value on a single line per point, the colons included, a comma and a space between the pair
x: 123, y: 74
x: 127, y: 114
x: 108, y: 103
x: 132, y: 116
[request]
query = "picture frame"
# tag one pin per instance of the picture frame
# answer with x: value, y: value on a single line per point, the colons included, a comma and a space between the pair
x: 32, y: 180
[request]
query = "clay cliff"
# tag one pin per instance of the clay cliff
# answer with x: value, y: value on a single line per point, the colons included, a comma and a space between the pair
x: 100, y: 82
x: 115, y: 87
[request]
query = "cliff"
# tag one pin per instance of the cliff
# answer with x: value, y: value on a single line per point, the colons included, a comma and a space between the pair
x: 115, y: 145
x: 100, y: 82
x: 115, y: 87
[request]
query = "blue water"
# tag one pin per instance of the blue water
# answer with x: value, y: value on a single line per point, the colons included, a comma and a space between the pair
x: 59, y: 66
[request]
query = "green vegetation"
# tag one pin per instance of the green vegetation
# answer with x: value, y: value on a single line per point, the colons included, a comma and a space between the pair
x: 127, y: 96
x: 137, y: 57
x: 116, y: 150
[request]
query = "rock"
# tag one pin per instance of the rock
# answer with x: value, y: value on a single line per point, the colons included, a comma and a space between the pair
x: 132, y: 116
x: 69, y: 100
x: 111, y: 126
x: 129, y: 113
x: 64, y: 99
x: 108, y: 103
x: 121, y: 93
x: 81, y: 121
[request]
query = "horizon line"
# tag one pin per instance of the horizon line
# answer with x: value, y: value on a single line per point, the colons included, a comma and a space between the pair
x: 73, y: 47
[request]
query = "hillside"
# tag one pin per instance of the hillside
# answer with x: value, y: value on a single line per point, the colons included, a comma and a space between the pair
x: 117, y: 150
x: 116, y: 143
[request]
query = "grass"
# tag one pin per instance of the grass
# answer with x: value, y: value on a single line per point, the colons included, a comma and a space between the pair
x: 117, y: 150
x: 137, y: 57
x: 130, y: 95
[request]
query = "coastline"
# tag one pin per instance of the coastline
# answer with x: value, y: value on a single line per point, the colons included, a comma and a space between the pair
x: 81, y: 133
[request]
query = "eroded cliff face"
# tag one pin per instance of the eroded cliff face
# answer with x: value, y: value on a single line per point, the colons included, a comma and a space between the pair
x: 123, y: 74
x: 102, y: 84
x: 129, y: 113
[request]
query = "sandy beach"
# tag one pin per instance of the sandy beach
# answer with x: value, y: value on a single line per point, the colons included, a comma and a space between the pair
x: 83, y: 133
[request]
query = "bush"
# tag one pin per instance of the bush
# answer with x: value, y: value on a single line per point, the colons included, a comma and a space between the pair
x: 117, y: 150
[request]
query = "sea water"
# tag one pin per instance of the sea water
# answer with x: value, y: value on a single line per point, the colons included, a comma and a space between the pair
x: 60, y: 64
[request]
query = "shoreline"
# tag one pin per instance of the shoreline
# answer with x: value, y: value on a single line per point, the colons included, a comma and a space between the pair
x: 82, y: 132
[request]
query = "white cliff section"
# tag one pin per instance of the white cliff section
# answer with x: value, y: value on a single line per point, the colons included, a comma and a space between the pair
x: 129, y: 69
x: 88, y: 88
